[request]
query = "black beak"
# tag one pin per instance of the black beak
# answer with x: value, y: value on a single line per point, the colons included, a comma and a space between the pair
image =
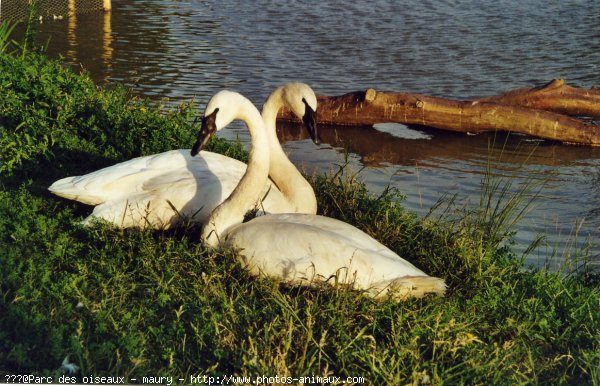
x: 310, y: 123
x: 207, y: 130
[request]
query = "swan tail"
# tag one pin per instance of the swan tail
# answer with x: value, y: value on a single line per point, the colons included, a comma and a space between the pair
x: 68, y: 188
x: 408, y: 286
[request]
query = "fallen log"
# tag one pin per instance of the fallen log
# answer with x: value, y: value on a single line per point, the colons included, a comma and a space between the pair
x: 472, y: 117
x: 555, y: 96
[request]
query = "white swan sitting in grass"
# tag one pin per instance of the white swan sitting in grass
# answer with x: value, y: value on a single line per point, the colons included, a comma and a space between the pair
x: 300, y: 248
x: 161, y: 190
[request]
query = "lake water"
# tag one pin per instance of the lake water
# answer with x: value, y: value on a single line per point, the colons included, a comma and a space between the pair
x: 183, y: 50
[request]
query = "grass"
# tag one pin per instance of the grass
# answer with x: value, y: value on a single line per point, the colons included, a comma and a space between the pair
x: 6, y: 29
x: 139, y: 303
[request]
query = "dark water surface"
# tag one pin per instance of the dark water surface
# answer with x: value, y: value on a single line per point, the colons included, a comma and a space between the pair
x: 183, y: 50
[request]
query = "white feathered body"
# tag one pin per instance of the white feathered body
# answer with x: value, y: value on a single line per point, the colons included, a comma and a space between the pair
x: 161, y: 190
x: 307, y: 249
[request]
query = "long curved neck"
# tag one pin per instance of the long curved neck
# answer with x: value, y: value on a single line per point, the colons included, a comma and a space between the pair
x: 248, y: 191
x: 288, y: 179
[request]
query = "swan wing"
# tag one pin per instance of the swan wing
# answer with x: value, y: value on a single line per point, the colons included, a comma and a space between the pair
x: 162, y: 194
x: 300, y: 247
x: 162, y: 208
x: 163, y: 189
x: 121, y: 179
x: 335, y: 229
x: 194, y: 191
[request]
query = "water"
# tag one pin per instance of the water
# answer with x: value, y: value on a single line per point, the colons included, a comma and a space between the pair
x: 183, y: 50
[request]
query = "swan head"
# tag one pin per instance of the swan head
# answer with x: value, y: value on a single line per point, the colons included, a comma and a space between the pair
x: 301, y: 99
x: 223, y: 107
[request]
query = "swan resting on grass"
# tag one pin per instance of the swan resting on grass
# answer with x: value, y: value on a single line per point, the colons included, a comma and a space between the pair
x: 304, y: 249
x: 162, y: 190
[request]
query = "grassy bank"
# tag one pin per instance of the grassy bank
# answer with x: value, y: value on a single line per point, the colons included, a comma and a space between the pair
x: 140, y: 303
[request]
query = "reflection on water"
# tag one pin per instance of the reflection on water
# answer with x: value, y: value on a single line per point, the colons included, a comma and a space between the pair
x: 96, y: 31
x: 448, y: 164
x: 189, y: 49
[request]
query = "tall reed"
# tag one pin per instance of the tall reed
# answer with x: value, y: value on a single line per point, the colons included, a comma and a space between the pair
x: 6, y: 30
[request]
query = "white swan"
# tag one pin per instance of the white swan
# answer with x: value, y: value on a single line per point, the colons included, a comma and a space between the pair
x: 302, y: 248
x: 160, y: 190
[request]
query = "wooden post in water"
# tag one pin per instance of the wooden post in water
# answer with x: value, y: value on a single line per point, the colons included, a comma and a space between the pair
x: 71, y: 53
x: 71, y: 7
x: 107, y: 39
x: 107, y: 6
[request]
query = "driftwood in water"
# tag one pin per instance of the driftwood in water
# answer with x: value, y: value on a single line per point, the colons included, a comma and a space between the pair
x: 555, y: 96
x: 512, y: 111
